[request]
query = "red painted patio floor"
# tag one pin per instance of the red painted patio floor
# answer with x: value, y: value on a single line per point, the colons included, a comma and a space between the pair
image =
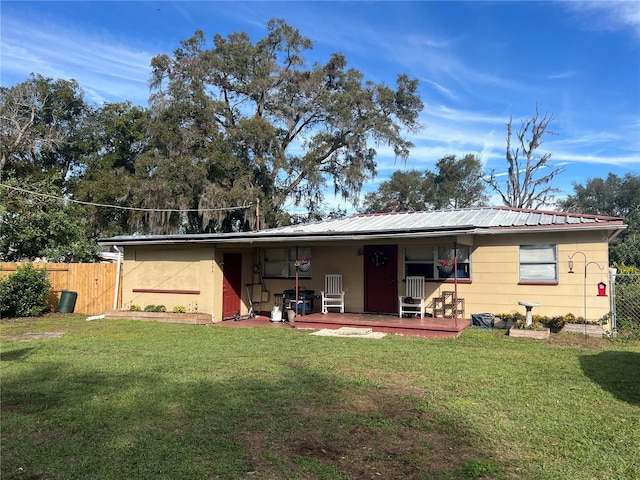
x: 425, y: 327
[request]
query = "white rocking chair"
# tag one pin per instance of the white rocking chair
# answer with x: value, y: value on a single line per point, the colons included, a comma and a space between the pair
x: 413, y: 302
x: 333, y: 294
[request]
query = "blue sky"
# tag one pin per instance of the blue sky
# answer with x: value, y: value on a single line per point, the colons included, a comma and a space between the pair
x: 478, y: 63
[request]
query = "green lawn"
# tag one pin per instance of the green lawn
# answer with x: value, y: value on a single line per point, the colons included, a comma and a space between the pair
x: 133, y: 400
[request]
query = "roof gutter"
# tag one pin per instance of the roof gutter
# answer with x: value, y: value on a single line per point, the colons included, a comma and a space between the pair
x: 299, y: 238
x: 616, y: 229
x: 266, y: 236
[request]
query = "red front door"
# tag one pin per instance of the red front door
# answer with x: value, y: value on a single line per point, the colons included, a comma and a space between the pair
x: 231, y: 285
x: 380, y: 274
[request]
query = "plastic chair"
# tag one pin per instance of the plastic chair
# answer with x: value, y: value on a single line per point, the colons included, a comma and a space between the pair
x: 333, y: 294
x: 412, y: 303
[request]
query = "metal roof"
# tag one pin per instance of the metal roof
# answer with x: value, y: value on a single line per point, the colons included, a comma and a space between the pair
x: 486, y: 220
x: 497, y: 217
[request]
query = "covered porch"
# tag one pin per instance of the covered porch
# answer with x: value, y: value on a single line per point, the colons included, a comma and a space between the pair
x: 432, y: 327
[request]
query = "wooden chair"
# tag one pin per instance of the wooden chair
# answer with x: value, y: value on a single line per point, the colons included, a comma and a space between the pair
x: 333, y: 294
x: 413, y: 302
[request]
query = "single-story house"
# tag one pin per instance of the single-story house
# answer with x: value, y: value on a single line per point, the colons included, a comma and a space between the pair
x: 493, y: 258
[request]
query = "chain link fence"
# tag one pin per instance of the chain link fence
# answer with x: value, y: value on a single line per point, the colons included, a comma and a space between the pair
x: 625, y: 308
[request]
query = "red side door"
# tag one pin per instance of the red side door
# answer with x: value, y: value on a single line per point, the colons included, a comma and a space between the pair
x: 380, y: 278
x: 231, y: 285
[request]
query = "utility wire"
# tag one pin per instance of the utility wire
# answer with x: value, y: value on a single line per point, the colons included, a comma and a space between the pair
x: 45, y: 195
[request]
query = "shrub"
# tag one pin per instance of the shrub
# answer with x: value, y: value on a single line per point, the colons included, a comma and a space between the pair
x: 627, y: 302
x: 135, y: 308
x: 514, y: 316
x: 628, y: 331
x: 534, y: 326
x: 155, y: 308
x: 561, y: 320
x: 24, y: 293
x: 558, y: 322
x: 179, y: 309
x: 540, y: 318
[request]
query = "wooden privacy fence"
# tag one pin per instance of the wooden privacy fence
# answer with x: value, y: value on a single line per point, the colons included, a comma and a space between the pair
x: 95, y: 284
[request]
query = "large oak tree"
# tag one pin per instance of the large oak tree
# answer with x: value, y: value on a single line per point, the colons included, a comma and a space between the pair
x: 254, y: 120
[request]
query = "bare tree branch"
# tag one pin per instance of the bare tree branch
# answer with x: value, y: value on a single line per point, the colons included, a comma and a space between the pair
x: 526, y: 185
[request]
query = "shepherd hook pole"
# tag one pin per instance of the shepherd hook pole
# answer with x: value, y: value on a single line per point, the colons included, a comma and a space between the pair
x: 584, y: 286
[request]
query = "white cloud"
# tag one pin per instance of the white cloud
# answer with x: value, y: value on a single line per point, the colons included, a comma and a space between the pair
x: 106, y: 69
x: 631, y: 162
x: 562, y: 75
x: 443, y: 112
x: 610, y: 15
x: 442, y: 89
x: 592, y: 139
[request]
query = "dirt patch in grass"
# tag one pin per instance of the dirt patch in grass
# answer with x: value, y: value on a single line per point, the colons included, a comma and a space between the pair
x: 29, y: 336
x: 42, y: 318
x: 577, y: 340
x: 378, y: 433
x: 51, y: 325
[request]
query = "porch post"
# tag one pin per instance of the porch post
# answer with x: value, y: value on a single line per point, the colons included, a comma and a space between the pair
x: 295, y: 309
x: 455, y: 282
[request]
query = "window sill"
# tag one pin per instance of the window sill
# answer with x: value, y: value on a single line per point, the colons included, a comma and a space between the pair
x: 160, y: 290
x: 300, y: 277
x: 552, y: 283
x: 449, y: 280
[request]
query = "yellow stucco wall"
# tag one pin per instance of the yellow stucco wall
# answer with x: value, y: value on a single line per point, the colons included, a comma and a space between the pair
x: 495, y: 273
x: 328, y: 258
x: 169, y: 268
x: 494, y: 286
x: 181, y: 267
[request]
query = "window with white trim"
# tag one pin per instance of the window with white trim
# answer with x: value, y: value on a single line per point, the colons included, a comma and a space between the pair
x: 436, y: 262
x: 281, y: 262
x: 539, y: 263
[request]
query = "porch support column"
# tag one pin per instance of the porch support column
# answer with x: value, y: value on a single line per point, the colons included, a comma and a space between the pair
x: 455, y: 282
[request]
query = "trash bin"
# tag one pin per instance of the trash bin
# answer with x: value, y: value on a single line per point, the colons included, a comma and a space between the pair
x: 67, y: 301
